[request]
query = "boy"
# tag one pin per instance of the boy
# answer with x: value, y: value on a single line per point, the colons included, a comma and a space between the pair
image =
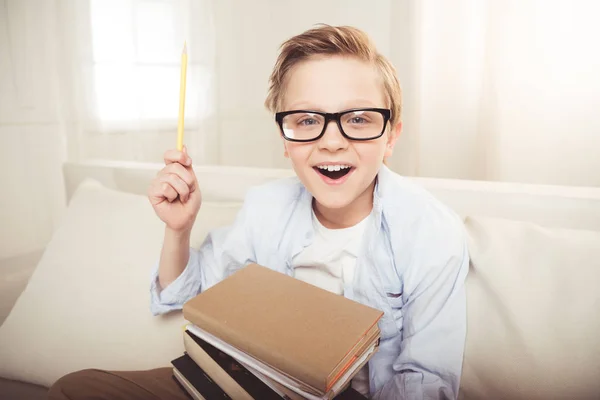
x: 346, y: 223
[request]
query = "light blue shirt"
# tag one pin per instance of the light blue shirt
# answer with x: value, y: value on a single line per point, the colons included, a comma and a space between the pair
x: 412, y: 266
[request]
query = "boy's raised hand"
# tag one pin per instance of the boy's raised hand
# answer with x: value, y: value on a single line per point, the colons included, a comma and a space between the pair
x: 174, y: 192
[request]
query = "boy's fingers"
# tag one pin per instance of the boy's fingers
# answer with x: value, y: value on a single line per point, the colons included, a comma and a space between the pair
x: 176, y: 156
x: 178, y: 184
x: 168, y: 192
x: 185, y: 173
x: 162, y: 190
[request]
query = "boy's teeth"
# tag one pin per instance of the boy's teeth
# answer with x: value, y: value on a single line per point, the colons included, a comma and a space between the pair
x: 333, y: 167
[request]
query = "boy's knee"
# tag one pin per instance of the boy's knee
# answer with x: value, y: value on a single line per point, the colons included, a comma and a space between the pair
x: 76, y: 385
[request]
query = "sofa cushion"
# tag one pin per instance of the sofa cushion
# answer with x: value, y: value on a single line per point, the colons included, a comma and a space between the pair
x: 533, y: 312
x: 87, y: 302
x: 14, y: 275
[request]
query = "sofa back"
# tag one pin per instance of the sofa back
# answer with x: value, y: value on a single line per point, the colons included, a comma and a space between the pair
x: 552, y: 206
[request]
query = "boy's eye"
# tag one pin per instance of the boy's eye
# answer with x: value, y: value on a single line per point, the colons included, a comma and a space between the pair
x: 357, y: 120
x: 308, y: 121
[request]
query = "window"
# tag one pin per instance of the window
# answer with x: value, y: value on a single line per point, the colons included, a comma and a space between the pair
x: 136, y: 61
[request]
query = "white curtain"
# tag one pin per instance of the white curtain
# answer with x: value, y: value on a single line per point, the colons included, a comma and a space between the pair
x: 504, y: 90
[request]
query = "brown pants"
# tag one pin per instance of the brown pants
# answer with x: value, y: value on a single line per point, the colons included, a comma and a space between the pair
x: 109, y: 385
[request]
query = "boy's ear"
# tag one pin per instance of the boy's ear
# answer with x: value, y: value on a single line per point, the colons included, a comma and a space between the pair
x: 393, y: 137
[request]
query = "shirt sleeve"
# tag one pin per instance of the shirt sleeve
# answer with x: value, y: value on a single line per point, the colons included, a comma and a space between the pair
x: 434, y: 330
x: 224, y: 251
x: 186, y: 286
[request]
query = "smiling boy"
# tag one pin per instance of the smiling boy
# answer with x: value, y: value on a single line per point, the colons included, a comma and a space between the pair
x: 345, y: 223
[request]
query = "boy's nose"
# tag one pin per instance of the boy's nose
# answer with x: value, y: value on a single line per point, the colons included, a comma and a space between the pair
x: 332, y: 139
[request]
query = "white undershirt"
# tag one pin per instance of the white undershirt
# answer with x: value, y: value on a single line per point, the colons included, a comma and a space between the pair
x: 329, y: 263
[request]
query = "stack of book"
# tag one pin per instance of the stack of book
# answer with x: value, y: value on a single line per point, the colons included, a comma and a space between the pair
x: 260, y: 334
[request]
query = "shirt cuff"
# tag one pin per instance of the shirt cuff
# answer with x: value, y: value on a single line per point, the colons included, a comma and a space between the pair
x: 186, y: 286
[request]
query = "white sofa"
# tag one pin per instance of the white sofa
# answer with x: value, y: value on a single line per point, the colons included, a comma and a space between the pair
x: 533, y: 302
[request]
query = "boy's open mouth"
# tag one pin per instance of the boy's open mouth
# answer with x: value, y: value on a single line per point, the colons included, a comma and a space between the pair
x: 333, y: 171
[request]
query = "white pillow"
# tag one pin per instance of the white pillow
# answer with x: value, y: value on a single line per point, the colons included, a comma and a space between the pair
x: 533, y: 312
x: 87, y: 303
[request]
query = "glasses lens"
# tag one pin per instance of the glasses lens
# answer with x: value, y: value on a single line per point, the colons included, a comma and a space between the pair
x: 302, y: 125
x: 362, y: 124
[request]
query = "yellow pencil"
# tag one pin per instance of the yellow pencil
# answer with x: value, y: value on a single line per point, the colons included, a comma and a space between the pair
x: 182, y: 98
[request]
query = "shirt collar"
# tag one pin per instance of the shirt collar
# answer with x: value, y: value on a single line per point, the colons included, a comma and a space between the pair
x: 304, y: 209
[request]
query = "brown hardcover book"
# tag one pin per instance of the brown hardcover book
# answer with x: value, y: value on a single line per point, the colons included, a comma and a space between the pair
x: 303, y: 331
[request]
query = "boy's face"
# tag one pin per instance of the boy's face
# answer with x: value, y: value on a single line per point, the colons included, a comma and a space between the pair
x: 334, y: 84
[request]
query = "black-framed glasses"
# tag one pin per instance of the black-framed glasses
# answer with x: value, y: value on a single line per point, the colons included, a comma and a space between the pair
x: 354, y: 124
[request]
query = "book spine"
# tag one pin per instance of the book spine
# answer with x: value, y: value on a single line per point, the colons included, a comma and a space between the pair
x: 259, y: 351
x: 214, y: 370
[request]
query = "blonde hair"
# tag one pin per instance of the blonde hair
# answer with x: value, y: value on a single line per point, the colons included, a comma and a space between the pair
x: 332, y: 40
